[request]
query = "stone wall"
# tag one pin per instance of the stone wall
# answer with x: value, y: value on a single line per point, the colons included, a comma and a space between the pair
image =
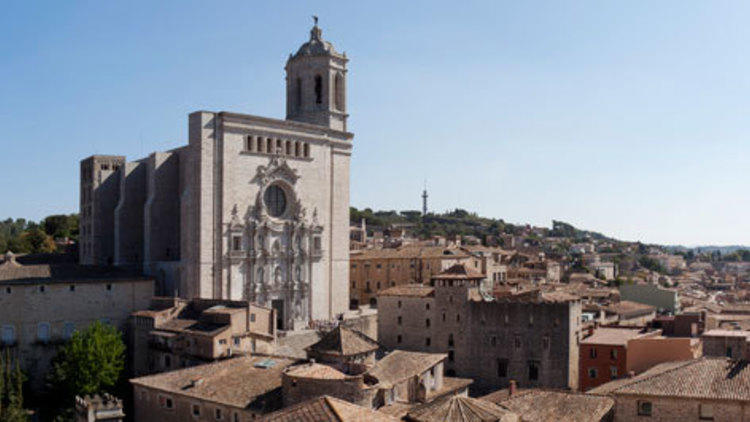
x: 63, y: 308
x: 679, y: 409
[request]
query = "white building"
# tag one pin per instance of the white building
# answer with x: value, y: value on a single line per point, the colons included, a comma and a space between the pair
x: 251, y: 208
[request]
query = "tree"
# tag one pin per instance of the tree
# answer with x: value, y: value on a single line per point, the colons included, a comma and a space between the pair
x: 11, y: 389
x: 91, y: 362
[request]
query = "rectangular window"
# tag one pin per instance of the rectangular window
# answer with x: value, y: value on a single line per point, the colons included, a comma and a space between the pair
x: 613, y: 372
x: 545, y: 342
x: 236, y: 243
x: 9, y: 334
x: 706, y: 412
x: 592, y: 353
x: 42, y: 331
x: 593, y: 373
x: 398, y: 339
x: 237, y: 341
x: 613, y: 353
x: 166, y: 402
x: 517, y: 342
x: 533, y: 370
x: 427, y: 342
x: 502, y: 368
x: 644, y: 408
x: 196, y: 410
x: 252, y: 317
x: 217, y: 414
x: 399, y: 320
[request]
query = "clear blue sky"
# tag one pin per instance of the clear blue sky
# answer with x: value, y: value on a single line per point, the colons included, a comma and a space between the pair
x: 629, y: 118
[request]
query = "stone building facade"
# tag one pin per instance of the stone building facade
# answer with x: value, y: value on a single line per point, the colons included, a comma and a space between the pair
x: 42, y: 304
x: 251, y: 208
x: 531, y: 338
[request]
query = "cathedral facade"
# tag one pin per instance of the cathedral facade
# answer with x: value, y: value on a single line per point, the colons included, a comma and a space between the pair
x: 251, y: 208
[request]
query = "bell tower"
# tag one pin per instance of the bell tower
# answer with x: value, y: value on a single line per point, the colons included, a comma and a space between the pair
x: 316, y: 83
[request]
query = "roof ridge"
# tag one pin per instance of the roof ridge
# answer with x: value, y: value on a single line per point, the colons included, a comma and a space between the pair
x: 330, y: 405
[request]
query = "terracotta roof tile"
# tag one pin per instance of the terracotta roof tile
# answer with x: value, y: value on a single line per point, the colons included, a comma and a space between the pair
x: 409, y: 290
x: 547, y: 405
x: 461, y: 409
x: 342, y: 341
x: 327, y: 409
x: 399, y: 365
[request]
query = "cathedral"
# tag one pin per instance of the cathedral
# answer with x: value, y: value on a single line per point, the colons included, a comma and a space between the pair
x: 251, y: 208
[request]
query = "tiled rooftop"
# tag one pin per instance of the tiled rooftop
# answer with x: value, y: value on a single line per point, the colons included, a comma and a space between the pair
x: 534, y: 405
x: 342, y: 341
x: 461, y: 409
x: 399, y: 365
x: 703, y: 378
x: 612, y: 336
x: 234, y: 382
x: 327, y: 409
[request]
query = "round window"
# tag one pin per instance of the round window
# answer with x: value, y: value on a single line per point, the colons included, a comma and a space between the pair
x: 275, y: 200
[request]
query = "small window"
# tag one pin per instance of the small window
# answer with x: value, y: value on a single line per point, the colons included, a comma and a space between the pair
x: 306, y: 150
x: 237, y: 341
x: 237, y: 243
x: 398, y: 339
x: 593, y: 373
x: 41, y: 288
x: 269, y: 146
x: 517, y: 341
x: 613, y: 353
x: 68, y: 330
x: 427, y: 342
x: 167, y: 361
x: 458, y: 317
x: 249, y: 143
x: 259, y: 144
x: 443, y: 316
x: 450, y: 340
x: 592, y: 353
x: 7, y: 290
x: 72, y: 287
x: 427, y: 306
x: 252, y: 317
x: 223, y: 341
x: 236, y: 417
x: 217, y: 414
x: 706, y: 412
x: 451, y: 356
x: 399, y: 320
x: 399, y: 303
x: 296, y: 149
x: 288, y: 148
x: 545, y: 342
x: 109, y: 286
x: 196, y: 410
x: 42, y: 331
x: 531, y: 319
x: 317, y: 244
x: 533, y: 371
x: 613, y: 372
x: 9, y: 334
x: 493, y: 341
x: 502, y: 368
x: 427, y: 323
x: 644, y: 408
x: 318, y: 89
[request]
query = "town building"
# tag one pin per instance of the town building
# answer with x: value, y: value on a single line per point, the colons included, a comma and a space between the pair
x: 239, y: 389
x: 176, y: 333
x: 708, y: 388
x: 530, y: 337
x: 374, y: 270
x: 626, y: 312
x: 652, y: 295
x: 604, y: 354
x: 44, y: 299
x: 252, y: 208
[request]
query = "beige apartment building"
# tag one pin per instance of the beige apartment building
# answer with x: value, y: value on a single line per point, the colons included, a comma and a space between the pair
x: 177, y: 333
x: 374, y: 270
x: 43, y: 301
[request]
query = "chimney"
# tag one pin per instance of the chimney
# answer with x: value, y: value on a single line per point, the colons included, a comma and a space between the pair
x: 631, y: 374
x: 512, y: 388
x: 10, y: 258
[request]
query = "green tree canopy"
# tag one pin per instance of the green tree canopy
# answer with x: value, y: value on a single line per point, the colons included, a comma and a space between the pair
x: 91, y: 362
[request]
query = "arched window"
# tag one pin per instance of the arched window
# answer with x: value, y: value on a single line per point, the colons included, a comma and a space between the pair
x: 296, y: 149
x: 42, y: 331
x: 318, y: 89
x: 298, y: 273
x: 249, y: 145
x: 259, y: 144
x: 260, y: 276
x: 269, y: 145
x: 338, y: 86
x: 288, y: 148
x: 298, y: 92
x: 306, y: 151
